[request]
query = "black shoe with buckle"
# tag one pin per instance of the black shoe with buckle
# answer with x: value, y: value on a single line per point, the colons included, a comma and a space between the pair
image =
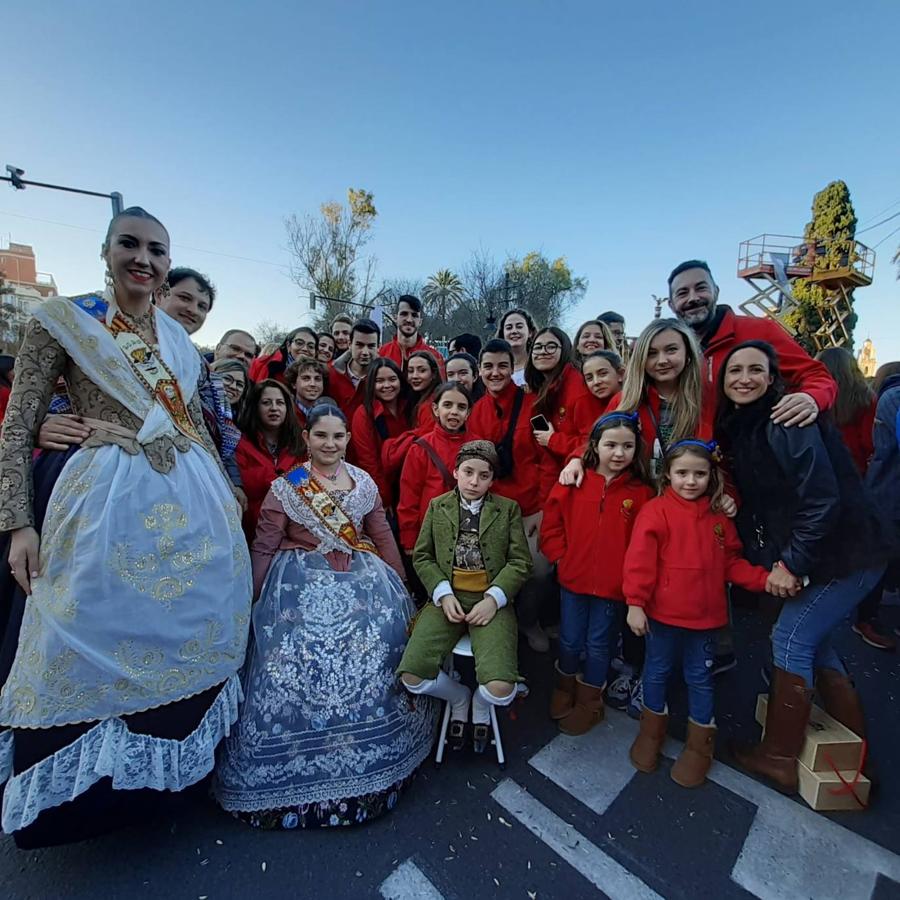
x: 481, y: 737
x: 456, y: 735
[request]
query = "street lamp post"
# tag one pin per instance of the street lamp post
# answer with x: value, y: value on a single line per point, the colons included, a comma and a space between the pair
x: 14, y: 177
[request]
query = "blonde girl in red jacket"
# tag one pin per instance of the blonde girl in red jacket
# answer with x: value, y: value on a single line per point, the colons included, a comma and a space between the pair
x: 577, y: 523
x: 682, y: 553
x: 428, y: 467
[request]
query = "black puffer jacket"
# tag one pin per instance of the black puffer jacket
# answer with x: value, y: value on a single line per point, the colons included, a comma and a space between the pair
x: 802, y: 499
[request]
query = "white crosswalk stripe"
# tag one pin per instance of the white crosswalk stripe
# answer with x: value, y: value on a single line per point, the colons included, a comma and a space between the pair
x: 790, y: 851
x: 598, y: 867
x: 409, y: 882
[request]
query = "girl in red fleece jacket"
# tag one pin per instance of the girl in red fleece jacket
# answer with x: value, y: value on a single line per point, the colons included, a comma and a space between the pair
x: 577, y: 523
x: 682, y: 553
x: 422, y: 478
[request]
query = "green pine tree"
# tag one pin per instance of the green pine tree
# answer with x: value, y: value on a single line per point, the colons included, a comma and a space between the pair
x: 833, y: 221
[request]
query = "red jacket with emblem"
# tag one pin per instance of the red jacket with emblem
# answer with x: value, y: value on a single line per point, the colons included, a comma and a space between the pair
x: 681, y: 556
x: 572, y: 437
x: 421, y: 482
x: 258, y: 471
x: 532, y: 476
x: 586, y: 531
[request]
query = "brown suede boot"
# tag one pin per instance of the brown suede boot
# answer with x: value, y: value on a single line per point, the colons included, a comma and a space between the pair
x: 648, y: 744
x: 588, y: 709
x: 695, y: 759
x: 775, y: 756
x: 840, y: 700
x: 563, y: 699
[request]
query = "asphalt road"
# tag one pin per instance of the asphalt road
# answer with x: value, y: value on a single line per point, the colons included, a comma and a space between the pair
x: 568, y: 818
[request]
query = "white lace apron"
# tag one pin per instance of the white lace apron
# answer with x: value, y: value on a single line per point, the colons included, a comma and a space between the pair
x: 143, y: 595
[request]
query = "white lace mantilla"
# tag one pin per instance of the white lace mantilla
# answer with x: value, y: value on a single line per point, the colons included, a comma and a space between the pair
x: 357, y: 503
x: 109, y: 749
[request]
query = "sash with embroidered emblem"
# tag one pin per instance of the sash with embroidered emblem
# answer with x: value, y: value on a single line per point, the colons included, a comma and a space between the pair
x: 327, y: 510
x: 149, y: 367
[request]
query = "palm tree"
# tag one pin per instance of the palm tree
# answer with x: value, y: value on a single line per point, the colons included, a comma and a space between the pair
x: 443, y: 291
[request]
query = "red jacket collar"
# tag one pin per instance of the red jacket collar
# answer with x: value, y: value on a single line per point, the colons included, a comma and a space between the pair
x: 505, y: 398
x: 726, y: 330
x: 696, y: 508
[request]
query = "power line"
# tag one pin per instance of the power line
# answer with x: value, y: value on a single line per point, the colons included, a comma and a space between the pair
x: 888, y: 219
x: 890, y: 234
x: 263, y: 262
x: 882, y: 212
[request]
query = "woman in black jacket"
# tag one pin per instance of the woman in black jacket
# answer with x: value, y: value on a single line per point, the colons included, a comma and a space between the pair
x: 804, y: 515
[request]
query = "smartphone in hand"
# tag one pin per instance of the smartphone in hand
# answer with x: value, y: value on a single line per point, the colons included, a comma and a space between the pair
x: 539, y: 423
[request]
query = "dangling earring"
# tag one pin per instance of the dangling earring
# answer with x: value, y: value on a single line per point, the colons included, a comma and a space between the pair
x: 108, y: 278
x: 163, y: 292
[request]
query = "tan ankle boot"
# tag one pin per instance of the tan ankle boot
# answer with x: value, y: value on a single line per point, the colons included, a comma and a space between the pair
x: 588, y: 709
x: 563, y: 699
x: 775, y: 756
x: 692, y: 765
x: 648, y: 744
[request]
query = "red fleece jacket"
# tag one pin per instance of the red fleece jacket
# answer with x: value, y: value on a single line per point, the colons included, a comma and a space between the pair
x: 367, y: 445
x: 532, y: 476
x: 586, y: 531
x: 800, y: 371
x: 421, y: 482
x: 681, y: 556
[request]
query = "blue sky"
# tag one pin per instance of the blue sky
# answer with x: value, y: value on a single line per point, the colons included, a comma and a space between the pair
x: 625, y: 139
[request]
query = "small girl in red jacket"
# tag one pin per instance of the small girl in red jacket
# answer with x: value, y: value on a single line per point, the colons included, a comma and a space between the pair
x: 427, y: 469
x: 586, y: 531
x: 682, y: 553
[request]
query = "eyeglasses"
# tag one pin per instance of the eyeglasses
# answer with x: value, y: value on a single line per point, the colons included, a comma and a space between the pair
x: 247, y: 354
x: 231, y: 381
x: 549, y: 349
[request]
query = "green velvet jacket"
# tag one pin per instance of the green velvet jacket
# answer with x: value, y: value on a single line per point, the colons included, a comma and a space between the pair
x: 503, y: 545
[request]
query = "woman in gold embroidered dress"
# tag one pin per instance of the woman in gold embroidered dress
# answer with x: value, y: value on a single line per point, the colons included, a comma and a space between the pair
x: 124, y: 679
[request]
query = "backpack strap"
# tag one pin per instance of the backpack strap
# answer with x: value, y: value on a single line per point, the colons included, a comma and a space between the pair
x: 443, y: 471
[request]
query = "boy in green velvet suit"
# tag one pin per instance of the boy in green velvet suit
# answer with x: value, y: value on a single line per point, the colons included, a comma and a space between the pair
x: 472, y: 557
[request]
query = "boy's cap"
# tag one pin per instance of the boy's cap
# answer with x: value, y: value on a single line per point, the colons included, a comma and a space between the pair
x: 478, y: 450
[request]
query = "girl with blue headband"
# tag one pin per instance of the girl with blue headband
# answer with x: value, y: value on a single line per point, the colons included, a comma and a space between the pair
x: 578, y: 526
x: 682, y: 554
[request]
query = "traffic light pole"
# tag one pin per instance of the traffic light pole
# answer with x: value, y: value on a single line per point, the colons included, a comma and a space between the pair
x: 19, y: 183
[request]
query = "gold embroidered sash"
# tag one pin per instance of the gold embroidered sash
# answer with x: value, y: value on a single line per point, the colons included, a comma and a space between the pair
x: 327, y: 509
x: 154, y: 374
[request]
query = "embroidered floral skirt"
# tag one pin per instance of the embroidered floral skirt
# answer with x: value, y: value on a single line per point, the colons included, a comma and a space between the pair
x: 325, y: 736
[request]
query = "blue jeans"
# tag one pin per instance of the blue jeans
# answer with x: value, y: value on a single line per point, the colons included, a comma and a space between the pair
x: 587, y: 625
x: 801, y: 638
x: 697, y: 649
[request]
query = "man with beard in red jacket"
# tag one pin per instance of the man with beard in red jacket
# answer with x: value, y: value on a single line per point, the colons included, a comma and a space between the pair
x: 693, y: 297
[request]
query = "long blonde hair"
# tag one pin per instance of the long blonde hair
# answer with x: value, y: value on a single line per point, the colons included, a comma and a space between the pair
x: 687, y: 401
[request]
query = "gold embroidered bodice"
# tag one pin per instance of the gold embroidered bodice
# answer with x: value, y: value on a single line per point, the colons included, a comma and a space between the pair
x: 41, y: 361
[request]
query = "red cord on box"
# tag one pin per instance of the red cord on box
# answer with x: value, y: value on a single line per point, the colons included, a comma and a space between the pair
x: 848, y: 787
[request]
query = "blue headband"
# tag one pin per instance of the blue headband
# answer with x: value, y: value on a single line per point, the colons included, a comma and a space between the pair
x: 711, y: 447
x: 620, y: 415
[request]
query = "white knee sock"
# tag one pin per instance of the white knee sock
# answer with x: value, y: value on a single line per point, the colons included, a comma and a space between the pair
x: 483, y: 700
x: 445, y: 688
